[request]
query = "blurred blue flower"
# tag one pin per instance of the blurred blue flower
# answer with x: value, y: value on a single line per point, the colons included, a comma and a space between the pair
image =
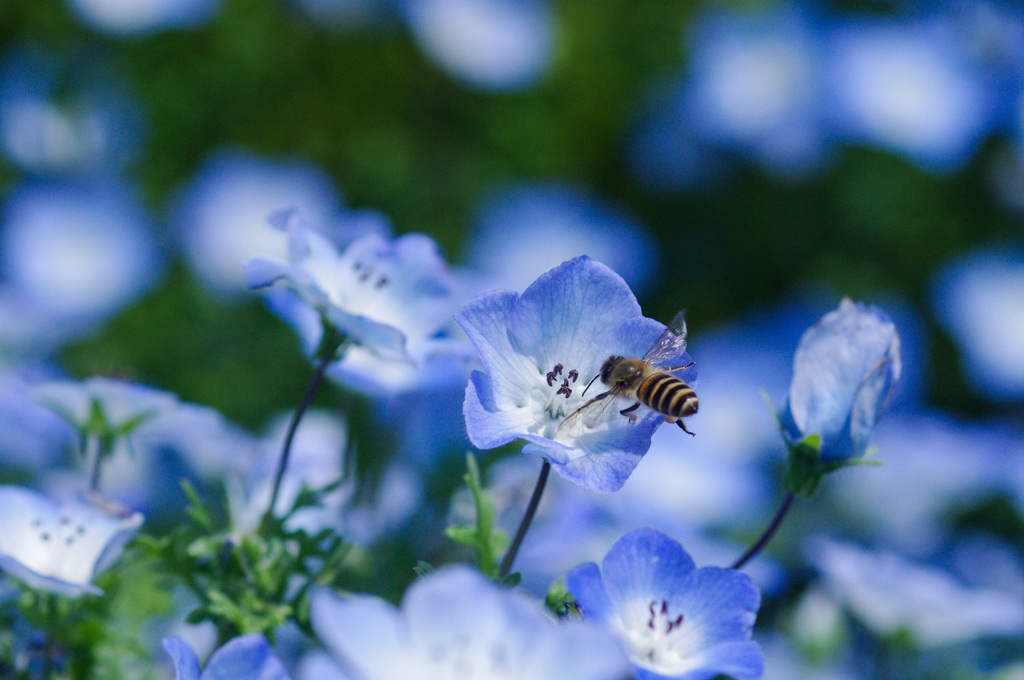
x: 455, y: 623
x: 540, y: 349
x: 248, y: 657
x: 755, y: 86
x: 953, y: 464
x: 104, y: 407
x: 76, y: 251
x: 60, y: 547
x: 523, y: 231
x: 979, y: 298
x: 222, y: 213
x: 67, y: 113
x: 892, y: 595
x: 33, y: 436
x: 910, y: 86
x: 492, y: 44
x: 673, y: 620
x: 142, y: 17
x: 844, y: 370
x: 392, y: 297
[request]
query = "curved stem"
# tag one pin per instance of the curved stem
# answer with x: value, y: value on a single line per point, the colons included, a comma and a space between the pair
x: 531, y: 510
x: 282, y: 463
x: 787, y: 503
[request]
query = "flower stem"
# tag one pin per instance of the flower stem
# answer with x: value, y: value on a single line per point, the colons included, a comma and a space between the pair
x: 787, y: 503
x: 531, y: 510
x: 282, y: 463
x: 95, y: 451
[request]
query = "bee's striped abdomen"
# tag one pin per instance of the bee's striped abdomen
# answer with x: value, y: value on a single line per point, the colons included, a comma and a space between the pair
x: 668, y: 395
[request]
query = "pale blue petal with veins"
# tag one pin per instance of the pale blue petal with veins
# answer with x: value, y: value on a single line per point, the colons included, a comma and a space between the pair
x: 673, y: 620
x: 539, y: 350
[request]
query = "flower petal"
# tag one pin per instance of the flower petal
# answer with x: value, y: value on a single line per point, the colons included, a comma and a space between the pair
x: 248, y: 656
x: 186, y: 665
x: 570, y: 309
x: 645, y: 564
x: 362, y: 632
x: 586, y: 586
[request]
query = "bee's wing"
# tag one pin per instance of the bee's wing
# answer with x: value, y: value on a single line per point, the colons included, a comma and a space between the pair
x: 671, y: 343
x: 585, y: 416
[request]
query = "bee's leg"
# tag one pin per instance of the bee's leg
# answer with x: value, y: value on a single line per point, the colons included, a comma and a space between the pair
x: 683, y: 427
x: 679, y: 368
x: 628, y: 412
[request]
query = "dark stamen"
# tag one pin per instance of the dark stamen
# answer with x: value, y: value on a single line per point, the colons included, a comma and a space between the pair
x: 564, y: 389
x: 574, y: 374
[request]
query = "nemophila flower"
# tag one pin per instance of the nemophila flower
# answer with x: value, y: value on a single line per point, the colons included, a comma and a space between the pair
x: 891, y: 595
x: 454, y: 623
x: 142, y: 17
x: 979, y: 298
x: 911, y: 87
x: 60, y: 547
x: 77, y: 250
x: 523, y: 231
x: 755, y: 86
x: 673, y: 620
x: 33, y: 437
x: 222, y: 212
x: 102, y: 406
x: 390, y: 297
x: 540, y: 350
x: 248, y: 657
x: 844, y: 370
x: 953, y: 464
x: 493, y: 44
x: 66, y: 113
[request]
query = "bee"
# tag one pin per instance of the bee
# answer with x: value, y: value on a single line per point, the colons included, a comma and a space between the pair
x: 643, y: 381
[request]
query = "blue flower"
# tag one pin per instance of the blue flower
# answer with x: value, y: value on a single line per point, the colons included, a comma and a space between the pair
x: 493, y: 44
x: 912, y: 87
x: 142, y: 18
x: 60, y: 547
x: 523, y: 231
x: 979, y: 298
x: 383, y: 295
x: 540, y: 349
x: 756, y: 86
x: 891, y: 594
x: 454, y: 623
x: 844, y: 370
x: 66, y: 112
x: 674, y: 621
x: 248, y: 657
x: 221, y: 214
x: 78, y: 251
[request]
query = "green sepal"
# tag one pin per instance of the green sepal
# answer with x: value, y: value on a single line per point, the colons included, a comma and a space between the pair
x: 487, y: 543
x: 559, y: 600
x: 423, y: 568
x: 512, y: 580
x: 331, y: 341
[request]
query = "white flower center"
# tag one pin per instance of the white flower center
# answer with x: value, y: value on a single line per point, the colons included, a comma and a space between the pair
x: 465, y: 659
x: 658, y: 637
x: 560, y: 394
x: 51, y: 549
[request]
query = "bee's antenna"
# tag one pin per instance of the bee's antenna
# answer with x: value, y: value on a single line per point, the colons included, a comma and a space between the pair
x: 589, y: 384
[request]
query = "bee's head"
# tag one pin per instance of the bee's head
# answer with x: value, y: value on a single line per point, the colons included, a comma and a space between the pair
x: 607, y: 367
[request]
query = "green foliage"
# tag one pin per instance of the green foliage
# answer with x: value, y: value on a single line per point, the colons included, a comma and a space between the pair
x: 251, y: 582
x: 486, y: 543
